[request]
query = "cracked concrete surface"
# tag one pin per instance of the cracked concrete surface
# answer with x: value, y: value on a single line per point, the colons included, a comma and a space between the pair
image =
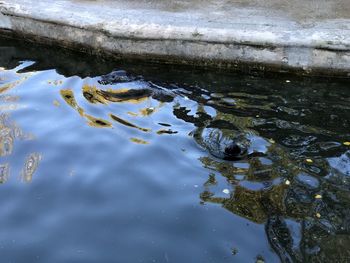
x: 311, y: 37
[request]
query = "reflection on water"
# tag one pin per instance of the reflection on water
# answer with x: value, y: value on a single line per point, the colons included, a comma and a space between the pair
x: 4, y: 172
x: 9, y: 131
x: 274, y: 153
x: 30, y: 166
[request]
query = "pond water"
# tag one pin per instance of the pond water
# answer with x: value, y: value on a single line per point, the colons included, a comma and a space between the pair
x: 112, y: 161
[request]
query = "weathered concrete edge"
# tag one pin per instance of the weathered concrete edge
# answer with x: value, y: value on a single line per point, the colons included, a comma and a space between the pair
x: 299, y: 59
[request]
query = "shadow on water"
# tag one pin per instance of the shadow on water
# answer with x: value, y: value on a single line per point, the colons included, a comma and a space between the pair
x: 280, y: 145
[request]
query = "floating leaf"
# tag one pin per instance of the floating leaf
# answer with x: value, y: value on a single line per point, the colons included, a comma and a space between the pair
x: 226, y: 191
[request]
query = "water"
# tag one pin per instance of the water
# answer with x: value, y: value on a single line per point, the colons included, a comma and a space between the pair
x: 128, y: 167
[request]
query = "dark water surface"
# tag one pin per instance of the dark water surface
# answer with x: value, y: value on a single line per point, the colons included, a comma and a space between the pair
x: 128, y: 166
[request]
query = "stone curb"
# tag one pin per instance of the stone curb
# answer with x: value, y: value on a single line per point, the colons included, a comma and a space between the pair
x: 251, y: 39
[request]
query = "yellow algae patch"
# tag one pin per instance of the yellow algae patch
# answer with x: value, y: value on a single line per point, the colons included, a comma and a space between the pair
x: 8, y: 86
x: 126, y: 123
x: 139, y: 141
x: 68, y: 96
x: 126, y: 95
x: 97, y: 122
x: 92, y: 94
x: 134, y: 96
x: 147, y: 111
x: 95, y: 95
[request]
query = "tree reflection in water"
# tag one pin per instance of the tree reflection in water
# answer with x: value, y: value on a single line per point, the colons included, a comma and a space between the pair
x: 304, y: 214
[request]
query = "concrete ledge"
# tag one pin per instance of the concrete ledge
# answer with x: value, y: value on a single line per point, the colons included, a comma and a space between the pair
x: 219, y: 33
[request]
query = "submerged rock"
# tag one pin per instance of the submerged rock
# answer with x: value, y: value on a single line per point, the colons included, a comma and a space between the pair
x: 231, y: 144
x: 117, y: 76
x: 224, y: 144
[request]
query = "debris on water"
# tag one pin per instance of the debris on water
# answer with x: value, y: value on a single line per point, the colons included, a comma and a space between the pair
x: 234, y: 251
x: 226, y: 191
x: 318, y: 215
x: 309, y: 161
x: 287, y: 81
x: 346, y: 143
x: 271, y: 140
x: 318, y: 196
x: 260, y: 259
x: 287, y: 182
